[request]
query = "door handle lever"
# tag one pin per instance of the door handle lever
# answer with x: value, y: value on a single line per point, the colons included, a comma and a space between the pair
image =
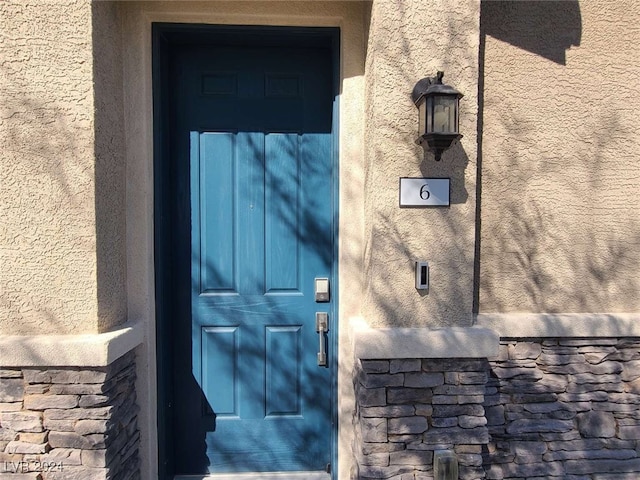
x: 322, y: 327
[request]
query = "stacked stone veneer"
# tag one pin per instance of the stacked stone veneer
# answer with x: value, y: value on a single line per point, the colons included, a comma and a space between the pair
x: 565, y: 409
x: 407, y: 409
x: 550, y: 408
x: 69, y: 423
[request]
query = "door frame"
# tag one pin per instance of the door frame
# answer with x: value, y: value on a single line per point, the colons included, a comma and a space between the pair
x: 163, y: 36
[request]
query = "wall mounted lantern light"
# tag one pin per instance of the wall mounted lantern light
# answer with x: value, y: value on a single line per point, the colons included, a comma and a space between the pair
x: 438, y: 106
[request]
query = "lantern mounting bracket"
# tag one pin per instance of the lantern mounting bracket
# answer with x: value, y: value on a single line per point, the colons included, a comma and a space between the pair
x: 423, y: 85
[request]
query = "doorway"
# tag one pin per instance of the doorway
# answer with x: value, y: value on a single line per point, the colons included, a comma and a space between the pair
x: 246, y: 240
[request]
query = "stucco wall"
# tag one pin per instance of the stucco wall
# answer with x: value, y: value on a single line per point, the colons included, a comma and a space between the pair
x: 47, y: 226
x: 560, y: 157
x: 62, y: 198
x: 110, y: 163
x: 409, y: 40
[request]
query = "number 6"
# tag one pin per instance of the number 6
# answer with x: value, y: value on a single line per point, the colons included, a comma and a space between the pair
x: 424, y: 192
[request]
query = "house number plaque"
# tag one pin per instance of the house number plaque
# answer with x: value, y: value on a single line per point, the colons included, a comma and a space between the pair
x: 424, y: 192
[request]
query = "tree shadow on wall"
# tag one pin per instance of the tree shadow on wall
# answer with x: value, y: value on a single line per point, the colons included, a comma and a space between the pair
x: 557, y: 25
x: 395, y: 238
x: 548, y: 29
x: 44, y: 179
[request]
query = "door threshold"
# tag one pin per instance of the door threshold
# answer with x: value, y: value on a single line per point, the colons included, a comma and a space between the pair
x: 258, y: 476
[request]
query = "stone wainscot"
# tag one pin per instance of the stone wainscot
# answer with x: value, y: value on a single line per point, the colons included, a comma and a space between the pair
x: 526, y: 408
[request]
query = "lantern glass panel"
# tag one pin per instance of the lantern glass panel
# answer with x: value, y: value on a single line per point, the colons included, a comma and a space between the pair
x: 444, y: 115
x: 422, y: 116
x: 429, y: 115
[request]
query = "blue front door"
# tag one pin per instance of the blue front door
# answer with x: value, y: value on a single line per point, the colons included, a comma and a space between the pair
x: 251, y: 134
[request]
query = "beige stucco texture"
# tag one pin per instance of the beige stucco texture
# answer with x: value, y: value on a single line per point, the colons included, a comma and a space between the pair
x: 51, y: 246
x: 47, y: 228
x: 409, y: 40
x: 560, y: 203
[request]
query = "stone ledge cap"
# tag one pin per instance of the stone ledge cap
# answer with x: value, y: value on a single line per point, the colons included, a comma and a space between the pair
x: 85, y: 350
x: 561, y: 325
x: 451, y: 342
